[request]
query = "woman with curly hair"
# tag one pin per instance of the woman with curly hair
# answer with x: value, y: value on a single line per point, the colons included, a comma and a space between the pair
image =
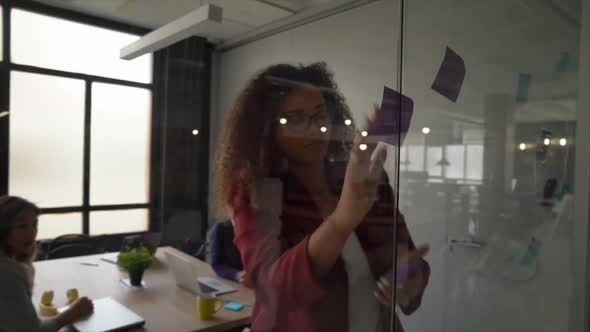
x: 312, y: 208
x: 18, y: 232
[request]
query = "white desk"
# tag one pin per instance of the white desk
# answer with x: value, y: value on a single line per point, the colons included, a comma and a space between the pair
x: 164, y: 306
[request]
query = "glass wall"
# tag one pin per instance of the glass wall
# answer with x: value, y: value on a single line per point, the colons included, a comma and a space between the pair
x: 486, y: 168
x: 496, y: 83
x: 372, y: 165
x: 286, y: 112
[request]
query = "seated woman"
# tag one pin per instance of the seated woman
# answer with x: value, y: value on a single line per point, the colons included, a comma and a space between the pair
x: 312, y: 208
x: 18, y: 230
x: 224, y: 256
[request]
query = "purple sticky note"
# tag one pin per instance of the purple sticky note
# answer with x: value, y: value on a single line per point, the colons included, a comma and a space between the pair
x: 451, y: 74
x: 394, y: 117
x: 405, y: 271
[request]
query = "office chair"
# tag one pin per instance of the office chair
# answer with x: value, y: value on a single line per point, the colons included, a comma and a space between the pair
x: 72, y: 245
x: 183, y: 232
x: 71, y: 250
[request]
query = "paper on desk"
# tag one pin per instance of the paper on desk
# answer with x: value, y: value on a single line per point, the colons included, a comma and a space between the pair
x: 110, y: 257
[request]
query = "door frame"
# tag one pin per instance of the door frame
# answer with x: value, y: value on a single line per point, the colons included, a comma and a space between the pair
x: 580, y: 295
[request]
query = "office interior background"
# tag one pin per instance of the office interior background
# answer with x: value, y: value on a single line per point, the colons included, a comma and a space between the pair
x: 109, y: 147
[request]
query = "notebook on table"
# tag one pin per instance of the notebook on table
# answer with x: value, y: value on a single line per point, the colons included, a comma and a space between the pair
x: 108, y: 316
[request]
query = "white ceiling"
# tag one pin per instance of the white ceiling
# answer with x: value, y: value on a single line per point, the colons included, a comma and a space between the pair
x: 514, y: 30
x: 239, y: 16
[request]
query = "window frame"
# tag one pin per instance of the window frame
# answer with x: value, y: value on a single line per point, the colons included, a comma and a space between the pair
x: 6, y: 67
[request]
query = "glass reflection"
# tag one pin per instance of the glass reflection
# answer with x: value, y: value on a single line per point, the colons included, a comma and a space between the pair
x: 312, y: 208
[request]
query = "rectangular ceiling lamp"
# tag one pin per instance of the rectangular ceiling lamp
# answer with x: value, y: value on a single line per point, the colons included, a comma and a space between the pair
x: 201, y: 21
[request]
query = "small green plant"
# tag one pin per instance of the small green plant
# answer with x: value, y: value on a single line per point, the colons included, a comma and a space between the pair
x: 136, y: 259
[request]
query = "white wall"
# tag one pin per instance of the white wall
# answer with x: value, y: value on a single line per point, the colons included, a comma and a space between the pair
x: 360, y: 46
x: 338, y: 40
x: 361, y: 62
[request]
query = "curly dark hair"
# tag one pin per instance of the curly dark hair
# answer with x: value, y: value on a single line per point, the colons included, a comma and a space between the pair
x: 10, y: 208
x: 247, y: 150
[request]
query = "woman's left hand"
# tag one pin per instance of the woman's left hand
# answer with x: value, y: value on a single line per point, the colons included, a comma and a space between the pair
x: 241, y: 277
x: 406, y: 291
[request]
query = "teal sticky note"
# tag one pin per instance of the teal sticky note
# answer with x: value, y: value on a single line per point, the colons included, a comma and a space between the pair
x: 233, y: 306
x: 522, y: 90
x: 562, y: 66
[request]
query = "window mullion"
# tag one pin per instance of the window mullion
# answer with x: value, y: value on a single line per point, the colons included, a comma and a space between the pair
x: 86, y: 158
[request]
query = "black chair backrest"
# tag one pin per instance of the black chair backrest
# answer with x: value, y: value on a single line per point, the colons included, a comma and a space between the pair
x: 182, y: 230
x: 71, y: 237
x: 71, y: 250
x: 72, y: 245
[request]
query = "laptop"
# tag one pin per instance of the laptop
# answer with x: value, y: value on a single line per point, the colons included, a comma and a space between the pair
x: 108, y: 316
x: 187, y: 278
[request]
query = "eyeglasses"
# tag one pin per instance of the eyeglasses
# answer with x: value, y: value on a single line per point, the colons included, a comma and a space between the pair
x: 298, y: 122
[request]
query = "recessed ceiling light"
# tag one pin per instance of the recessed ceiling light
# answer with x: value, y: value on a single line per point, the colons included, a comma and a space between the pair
x: 426, y: 130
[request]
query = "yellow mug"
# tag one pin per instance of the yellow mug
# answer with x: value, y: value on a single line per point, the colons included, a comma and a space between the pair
x: 208, y: 306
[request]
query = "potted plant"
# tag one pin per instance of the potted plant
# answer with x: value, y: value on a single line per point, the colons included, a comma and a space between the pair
x: 136, y: 261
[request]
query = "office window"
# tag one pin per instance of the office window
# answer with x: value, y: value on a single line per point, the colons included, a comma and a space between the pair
x: 416, y: 158
x: 455, y: 155
x: 46, y: 139
x: 121, y: 122
x: 474, y: 164
x: 74, y: 47
x: 126, y: 221
x: 403, y: 158
x: 433, y: 158
x: 54, y: 225
x: 78, y: 147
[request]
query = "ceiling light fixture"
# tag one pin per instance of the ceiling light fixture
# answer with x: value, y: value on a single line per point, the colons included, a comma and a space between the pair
x: 201, y: 21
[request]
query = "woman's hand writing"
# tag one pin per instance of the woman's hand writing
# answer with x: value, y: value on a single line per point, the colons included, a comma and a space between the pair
x: 359, y: 191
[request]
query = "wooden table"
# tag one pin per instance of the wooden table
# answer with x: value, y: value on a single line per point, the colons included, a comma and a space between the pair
x: 164, y: 306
